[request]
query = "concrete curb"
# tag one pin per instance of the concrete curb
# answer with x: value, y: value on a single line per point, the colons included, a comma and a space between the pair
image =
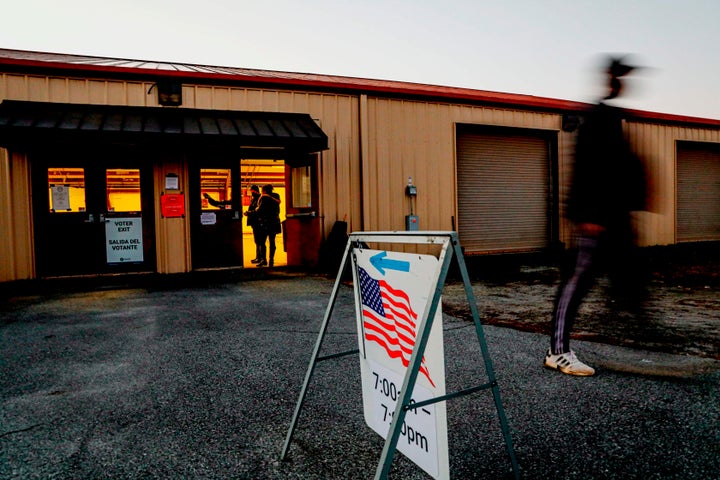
x: 647, y: 363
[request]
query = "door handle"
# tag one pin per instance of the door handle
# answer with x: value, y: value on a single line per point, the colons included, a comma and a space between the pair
x: 101, y: 218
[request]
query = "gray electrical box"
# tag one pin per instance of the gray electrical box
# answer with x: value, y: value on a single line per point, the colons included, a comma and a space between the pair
x: 412, y: 222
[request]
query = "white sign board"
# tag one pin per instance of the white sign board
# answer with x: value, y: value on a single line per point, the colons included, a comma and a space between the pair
x: 392, y: 291
x: 123, y: 237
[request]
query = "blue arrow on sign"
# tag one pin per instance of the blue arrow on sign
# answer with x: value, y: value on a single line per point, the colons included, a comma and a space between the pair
x: 381, y: 263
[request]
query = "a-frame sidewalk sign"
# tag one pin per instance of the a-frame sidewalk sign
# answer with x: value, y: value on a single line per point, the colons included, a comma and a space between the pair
x: 358, y: 254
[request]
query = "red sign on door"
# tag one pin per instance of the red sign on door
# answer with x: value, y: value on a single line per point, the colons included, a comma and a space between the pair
x: 173, y: 205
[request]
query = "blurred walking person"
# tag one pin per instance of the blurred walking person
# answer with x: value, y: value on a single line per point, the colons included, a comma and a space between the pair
x: 608, y: 183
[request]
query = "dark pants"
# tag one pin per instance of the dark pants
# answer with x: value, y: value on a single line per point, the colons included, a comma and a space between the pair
x: 613, y: 251
x: 263, y: 249
x: 259, y: 241
x: 571, y: 293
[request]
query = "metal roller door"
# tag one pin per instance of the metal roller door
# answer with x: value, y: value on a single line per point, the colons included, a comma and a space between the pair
x: 698, y: 192
x: 504, y: 192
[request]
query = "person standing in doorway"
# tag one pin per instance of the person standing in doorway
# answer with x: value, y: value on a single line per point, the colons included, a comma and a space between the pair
x: 268, y: 215
x: 608, y: 183
x: 251, y: 214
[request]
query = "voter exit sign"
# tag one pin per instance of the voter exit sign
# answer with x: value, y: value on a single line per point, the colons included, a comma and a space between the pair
x: 123, y: 238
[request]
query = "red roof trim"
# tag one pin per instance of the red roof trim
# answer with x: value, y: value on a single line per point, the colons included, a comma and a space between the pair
x: 308, y: 80
x: 672, y: 118
x: 113, y: 67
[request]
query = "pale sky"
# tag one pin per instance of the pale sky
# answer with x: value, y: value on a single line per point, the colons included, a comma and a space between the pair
x: 548, y: 48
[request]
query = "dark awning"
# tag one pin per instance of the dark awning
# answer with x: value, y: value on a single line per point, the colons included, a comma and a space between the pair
x: 23, y: 123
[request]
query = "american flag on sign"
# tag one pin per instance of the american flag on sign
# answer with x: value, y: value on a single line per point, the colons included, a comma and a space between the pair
x: 389, y: 320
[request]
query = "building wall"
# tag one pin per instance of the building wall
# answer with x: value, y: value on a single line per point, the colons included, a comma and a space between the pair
x: 173, y: 234
x: 339, y: 175
x: 337, y: 115
x: 16, y: 249
x: 656, y: 145
x: 417, y: 139
x: 375, y: 144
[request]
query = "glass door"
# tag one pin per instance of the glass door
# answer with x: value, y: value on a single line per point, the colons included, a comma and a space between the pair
x: 216, y: 219
x: 92, y: 218
x: 124, y: 241
x: 70, y: 240
x: 303, y: 221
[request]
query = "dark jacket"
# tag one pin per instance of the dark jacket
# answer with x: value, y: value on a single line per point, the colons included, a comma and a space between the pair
x: 252, y: 210
x: 608, y: 180
x: 268, y: 213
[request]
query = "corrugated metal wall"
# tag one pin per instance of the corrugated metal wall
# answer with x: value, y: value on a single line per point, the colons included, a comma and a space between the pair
x: 16, y: 248
x: 337, y: 114
x: 408, y: 139
x: 413, y: 138
x: 338, y: 117
x: 340, y: 178
x: 376, y: 143
x: 657, y: 146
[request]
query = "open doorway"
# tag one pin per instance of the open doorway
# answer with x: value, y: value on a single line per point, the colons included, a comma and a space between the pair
x: 262, y: 172
x: 220, y: 196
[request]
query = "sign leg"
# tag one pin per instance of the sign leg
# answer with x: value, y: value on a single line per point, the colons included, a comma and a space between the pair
x: 316, y: 351
x: 487, y: 360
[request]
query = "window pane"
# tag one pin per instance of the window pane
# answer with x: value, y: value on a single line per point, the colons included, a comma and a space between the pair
x: 66, y: 188
x: 123, y: 190
x: 301, y: 195
x: 215, y: 188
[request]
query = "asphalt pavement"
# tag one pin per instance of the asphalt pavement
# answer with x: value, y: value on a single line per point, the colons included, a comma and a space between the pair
x: 199, y: 379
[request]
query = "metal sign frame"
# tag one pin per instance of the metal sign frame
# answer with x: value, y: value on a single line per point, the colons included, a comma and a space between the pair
x: 450, y: 245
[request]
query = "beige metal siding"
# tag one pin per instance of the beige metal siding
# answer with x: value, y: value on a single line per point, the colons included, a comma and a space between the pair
x: 375, y: 144
x: 414, y: 138
x: 7, y: 252
x: 417, y: 139
x: 503, y: 192
x: 16, y: 248
x: 337, y: 115
x: 339, y: 170
x: 406, y: 140
x: 566, y: 156
x: 173, y: 234
x: 656, y: 146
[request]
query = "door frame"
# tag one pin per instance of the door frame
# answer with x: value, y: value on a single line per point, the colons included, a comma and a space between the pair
x: 205, y: 251
x: 303, y: 222
x: 95, y: 161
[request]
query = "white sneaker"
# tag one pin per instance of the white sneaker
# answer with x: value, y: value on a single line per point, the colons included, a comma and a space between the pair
x: 568, y: 363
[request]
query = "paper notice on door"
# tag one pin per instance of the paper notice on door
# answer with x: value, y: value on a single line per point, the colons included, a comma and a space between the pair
x: 208, y: 218
x: 60, y: 197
